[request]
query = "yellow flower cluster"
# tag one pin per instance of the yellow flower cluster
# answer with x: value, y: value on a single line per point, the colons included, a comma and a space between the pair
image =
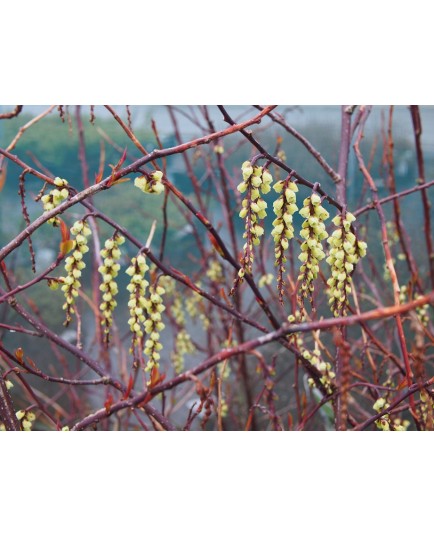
x: 265, y: 279
x: 8, y: 384
x: 384, y: 423
x: 26, y: 419
x: 313, y: 232
x: 109, y: 271
x: 153, y: 325
x: 345, y: 252
x: 183, y: 346
x: 327, y: 375
x: 256, y: 180
x: 74, y: 265
x: 150, y: 184
x: 137, y: 302
x: 426, y: 407
x: 215, y: 272
x: 224, y: 368
x: 283, y: 229
x: 422, y: 312
x: 55, y: 197
x: 195, y: 308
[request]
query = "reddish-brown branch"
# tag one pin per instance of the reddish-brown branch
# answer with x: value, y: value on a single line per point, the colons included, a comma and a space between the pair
x: 9, y: 115
x: 7, y: 412
x: 387, y: 251
x: 402, y: 233
x: 389, y: 198
x: 22, y: 129
x: 417, y: 127
x: 249, y: 136
x: 277, y: 118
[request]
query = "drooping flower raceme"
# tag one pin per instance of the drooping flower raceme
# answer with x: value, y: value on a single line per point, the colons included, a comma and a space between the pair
x: 183, y: 346
x: 153, y: 325
x: 313, y: 231
x: 74, y: 265
x: 137, y: 302
x: 283, y: 229
x: 109, y: 271
x: 345, y: 252
x: 256, y: 181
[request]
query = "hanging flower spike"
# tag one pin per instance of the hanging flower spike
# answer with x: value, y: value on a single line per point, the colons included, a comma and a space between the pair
x: 109, y: 271
x: 153, y: 325
x: 345, y: 252
x: 283, y: 229
x: 255, y: 181
x: 150, y: 184
x: 137, y: 302
x: 322, y: 367
x: 55, y: 197
x: 74, y: 265
x: 183, y: 346
x: 313, y: 231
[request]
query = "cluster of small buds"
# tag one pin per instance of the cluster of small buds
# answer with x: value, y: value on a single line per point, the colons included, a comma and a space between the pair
x: 283, y: 229
x: 26, y: 419
x: 392, y: 233
x: 426, y: 406
x: 195, y: 308
x: 265, y: 279
x: 400, y: 425
x: 325, y: 369
x: 8, y: 384
x: 313, y: 232
x: 137, y: 302
x: 345, y: 252
x: 384, y: 422
x: 177, y: 303
x: 177, y: 311
x: 74, y: 265
x: 55, y: 197
x: 150, y: 184
x: 109, y: 288
x: 153, y: 325
x: 224, y: 408
x: 403, y: 291
x: 296, y: 318
x: 224, y: 368
x: 422, y: 312
x: 183, y: 346
x: 256, y: 180
x: 215, y: 272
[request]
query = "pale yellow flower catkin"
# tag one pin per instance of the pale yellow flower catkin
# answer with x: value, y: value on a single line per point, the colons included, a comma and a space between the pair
x: 137, y: 302
x: 153, y: 325
x: 183, y: 346
x: 74, y: 265
x: 109, y: 288
x: 322, y: 367
x: 256, y: 181
x: 150, y: 184
x: 283, y: 229
x: 54, y: 197
x: 313, y: 232
x: 345, y: 252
